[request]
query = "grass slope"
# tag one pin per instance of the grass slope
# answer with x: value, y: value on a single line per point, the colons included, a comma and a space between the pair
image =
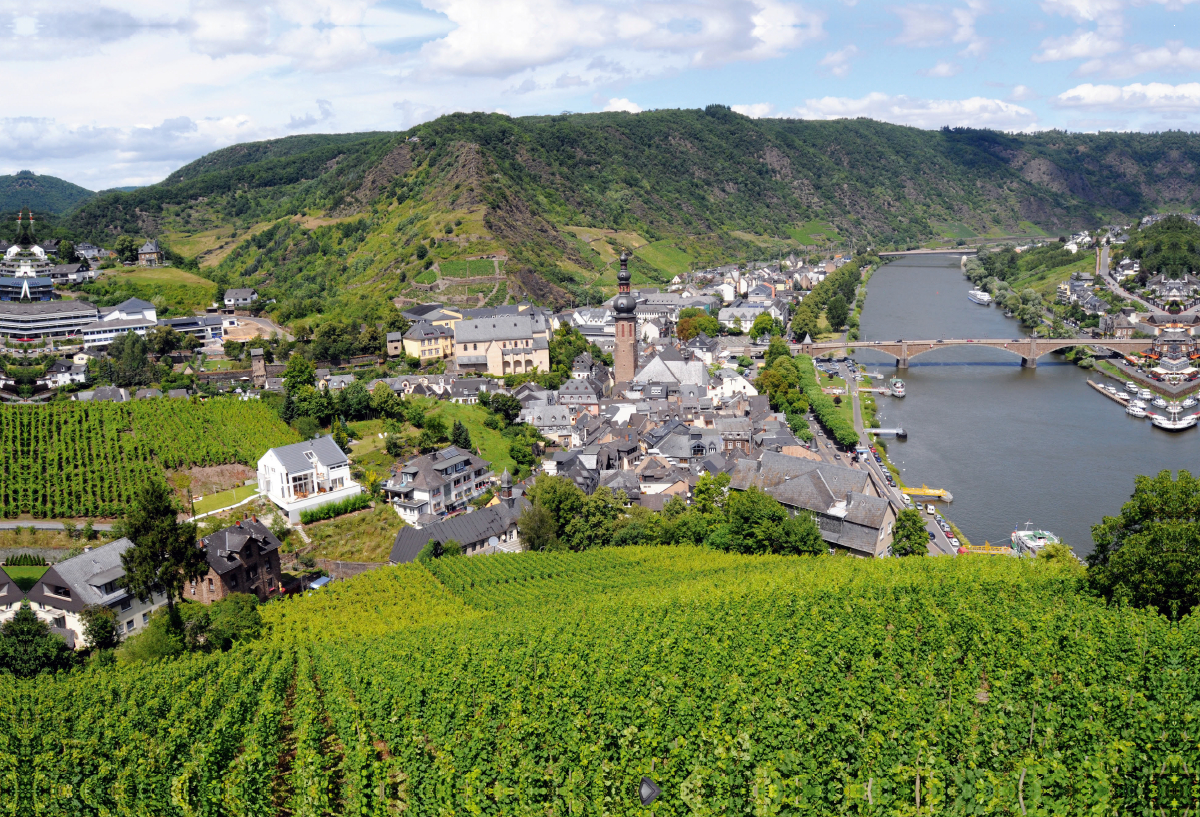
x: 365, y: 536
x: 551, y: 683
x: 180, y: 291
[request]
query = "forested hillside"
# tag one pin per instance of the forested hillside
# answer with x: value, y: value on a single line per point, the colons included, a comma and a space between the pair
x: 551, y: 683
x: 541, y: 206
x: 44, y: 195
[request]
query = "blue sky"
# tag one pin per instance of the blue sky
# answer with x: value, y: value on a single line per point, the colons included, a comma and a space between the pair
x: 116, y: 92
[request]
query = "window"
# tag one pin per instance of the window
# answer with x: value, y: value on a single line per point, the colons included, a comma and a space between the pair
x: 210, y: 585
x: 126, y: 604
x: 61, y: 622
x: 233, y: 582
x: 476, y: 347
x: 129, y: 626
x: 145, y: 619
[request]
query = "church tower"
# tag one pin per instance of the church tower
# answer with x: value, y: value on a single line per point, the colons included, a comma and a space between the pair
x: 625, y: 355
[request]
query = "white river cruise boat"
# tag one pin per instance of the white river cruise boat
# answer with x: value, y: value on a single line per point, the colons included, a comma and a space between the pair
x: 897, y: 387
x: 1029, y: 542
x: 980, y: 297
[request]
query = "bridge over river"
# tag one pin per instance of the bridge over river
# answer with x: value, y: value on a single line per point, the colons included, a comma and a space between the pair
x: 1029, y: 349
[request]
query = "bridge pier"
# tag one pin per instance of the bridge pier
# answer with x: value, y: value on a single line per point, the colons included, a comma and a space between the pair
x: 1029, y: 363
x: 901, y: 363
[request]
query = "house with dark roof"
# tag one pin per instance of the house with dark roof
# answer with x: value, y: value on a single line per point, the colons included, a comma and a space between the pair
x: 430, y: 486
x: 843, y: 501
x: 306, y: 475
x: 243, y: 558
x: 11, y: 597
x: 92, y: 577
x: 503, y: 344
x: 151, y: 255
x: 426, y: 341
x: 240, y: 298
x: 488, y: 530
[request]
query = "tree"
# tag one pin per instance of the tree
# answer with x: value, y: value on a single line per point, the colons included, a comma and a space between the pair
x: 709, y: 495
x: 298, y: 373
x: 66, y: 253
x: 837, y: 311
x: 383, y: 401
x: 126, y: 248
x: 909, y: 537
x: 355, y: 401
x: 460, y: 437
x: 776, y: 350
x: 163, y: 340
x: 560, y: 496
x: 1149, y: 555
x: 522, y: 454
x: 164, y: 556
x: 27, y: 647
x: 101, y: 630
x: 593, y: 525
x: 436, y: 427
x: 315, y: 403
x: 760, y: 524
x: 538, y: 528
x: 506, y: 406
x: 693, y: 321
x: 764, y: 324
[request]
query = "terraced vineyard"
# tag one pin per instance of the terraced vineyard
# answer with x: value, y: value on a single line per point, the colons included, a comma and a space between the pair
x: 89, y: 459
x: 549, y: 684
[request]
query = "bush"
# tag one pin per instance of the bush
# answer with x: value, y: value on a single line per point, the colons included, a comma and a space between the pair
x: 333, y: 509
x: 24, y: 560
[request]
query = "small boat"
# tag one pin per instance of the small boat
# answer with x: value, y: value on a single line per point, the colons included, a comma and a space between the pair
x: 1008, y: 313
x: 1146, y: 394
x: 1131, y: 388
x: 897, y: 387
x: 1111, y: 389
x: 1158, y: 402
x: 980, y: 297
x: 1190, y: 402
x: 1135, y: 411
x: 1029, y: 542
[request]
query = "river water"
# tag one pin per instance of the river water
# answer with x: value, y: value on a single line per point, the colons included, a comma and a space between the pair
x: 1011, y: 444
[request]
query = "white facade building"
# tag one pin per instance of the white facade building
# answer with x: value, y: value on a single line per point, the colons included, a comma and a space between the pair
x: 133, y: 315
x: 306, y: 475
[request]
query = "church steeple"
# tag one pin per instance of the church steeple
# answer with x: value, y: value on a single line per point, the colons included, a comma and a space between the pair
x: 625, y: 354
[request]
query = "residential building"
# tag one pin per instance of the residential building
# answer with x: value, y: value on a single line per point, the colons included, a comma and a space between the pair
x: 503, y: 344
x: 1116, y: 326
x: 305, y: 475
x: 395, y: 344
x: 151, y: 255
x: 581, y: 394
x: 63, y: 373
x: 426, y: 342
x: 243, y: 558
x: 554, y: 422
x: 487, y: 530
x: 204, y: 328
x: 92, y: 577
x: 240, y: 298
x: 433, y: 485
x: 133, y: 315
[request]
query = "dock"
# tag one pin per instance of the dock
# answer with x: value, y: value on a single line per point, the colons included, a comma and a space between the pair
x: 1122, y: 397
x: 899, y: 433
x: 927, y: 492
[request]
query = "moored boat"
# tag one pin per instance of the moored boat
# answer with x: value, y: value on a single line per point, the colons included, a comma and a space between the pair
x: 1131, y: 388
x: 897, y: 387
x: 1029, y: 542
x: 1134, y: 410
x: 980, y: 297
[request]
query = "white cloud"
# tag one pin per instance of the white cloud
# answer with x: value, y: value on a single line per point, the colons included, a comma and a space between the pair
x: 1156, y: 97
x: 1084, y: 10
x: 927, y: 26
x: 615, y: 104
x: 757, y: 110
x: 838, y: 62
x: 324, y: 114
x: 979, y: 112
x: 1021, y: 93
x: 1081, y: 45
x: 943, y: 69
x: 501, y: 39
x: 1172, y: 57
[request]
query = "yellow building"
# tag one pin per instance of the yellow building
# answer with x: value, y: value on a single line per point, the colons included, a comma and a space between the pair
x: 425, y: 341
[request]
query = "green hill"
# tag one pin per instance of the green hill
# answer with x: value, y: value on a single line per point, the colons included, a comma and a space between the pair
x: 337, y: 225
x: 42, y: 194
x: 550, y: 684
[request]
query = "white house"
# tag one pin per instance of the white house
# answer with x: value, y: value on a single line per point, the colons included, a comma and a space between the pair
x: 63, y: 373
x: 239, y: 297
x: 431, y: 486
x: 305, y: 475
x: 133, y: 315
x: 90, y: 578
x: 729, y: 383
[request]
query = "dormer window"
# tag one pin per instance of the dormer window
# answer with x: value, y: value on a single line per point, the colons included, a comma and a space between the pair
x: 310, y: 456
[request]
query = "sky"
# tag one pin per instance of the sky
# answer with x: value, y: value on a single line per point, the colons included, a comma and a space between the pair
x: 109, y: 93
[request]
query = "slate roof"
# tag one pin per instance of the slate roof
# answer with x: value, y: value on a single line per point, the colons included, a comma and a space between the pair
x: 466, y: 529
x: 238, y: 294
x: 85, y: 575
x: 47, y: 308
x: 223, y: 548
x: 292, y: 458
x: 501, y: 327
x: 427, y: 331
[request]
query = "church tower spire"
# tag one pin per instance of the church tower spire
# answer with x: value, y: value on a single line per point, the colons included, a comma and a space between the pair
x: 625, y: 355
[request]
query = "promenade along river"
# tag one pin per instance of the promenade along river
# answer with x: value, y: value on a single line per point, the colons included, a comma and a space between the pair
x: 1010, y: 444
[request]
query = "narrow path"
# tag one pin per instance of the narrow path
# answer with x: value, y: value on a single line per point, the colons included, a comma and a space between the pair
x: 9, y: 524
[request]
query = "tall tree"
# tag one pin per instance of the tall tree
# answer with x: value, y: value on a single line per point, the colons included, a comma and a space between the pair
x: 298, y: 373
x: 27, y: 647
x: 460, y: 437
x: 164, y: 556
x: 101, y: 630
x: 1149, y: 555
x: 837, y: 311
x: 909, y: 537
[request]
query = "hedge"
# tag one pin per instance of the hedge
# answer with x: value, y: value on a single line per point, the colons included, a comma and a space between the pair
x: 348, y: 505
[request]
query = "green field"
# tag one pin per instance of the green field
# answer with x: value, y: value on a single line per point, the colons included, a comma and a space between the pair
x: 814, y: 232
x: 666, y: 256
x: 549, y: 684
x: 468, y: 269
x: 184, y: 292
x: 365, y: 536
x: 214, y: 502
x: 429, y: 276
x: 26, y: 576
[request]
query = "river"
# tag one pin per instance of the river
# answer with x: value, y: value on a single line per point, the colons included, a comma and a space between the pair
x: 1011, y: 444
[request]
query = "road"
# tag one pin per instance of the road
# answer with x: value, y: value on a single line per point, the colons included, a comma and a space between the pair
x: 940, y: 545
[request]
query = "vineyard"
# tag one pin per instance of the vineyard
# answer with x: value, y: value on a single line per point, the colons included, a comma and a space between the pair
x: 548, y: 684
x: 89, y: 459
